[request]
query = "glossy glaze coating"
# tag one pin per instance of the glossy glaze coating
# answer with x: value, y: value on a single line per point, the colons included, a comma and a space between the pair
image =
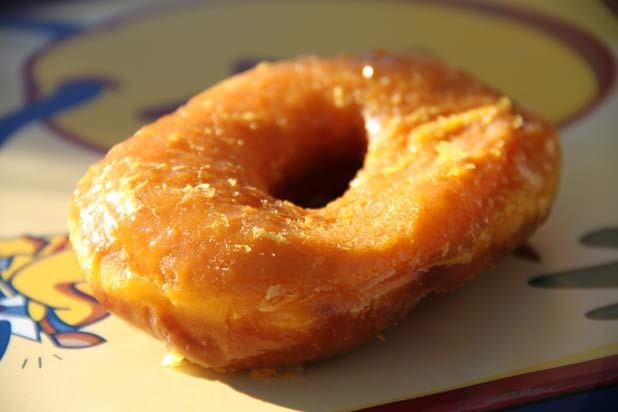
x: 180, y: 231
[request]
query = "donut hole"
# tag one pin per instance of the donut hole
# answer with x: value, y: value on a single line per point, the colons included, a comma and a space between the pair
x: 326, y: 176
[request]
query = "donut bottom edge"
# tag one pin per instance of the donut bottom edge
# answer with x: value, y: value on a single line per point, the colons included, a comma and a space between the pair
x: 214, y: 346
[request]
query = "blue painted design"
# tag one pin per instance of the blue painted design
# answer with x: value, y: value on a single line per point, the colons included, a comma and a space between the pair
x: 67, y: 96
x: 58, y: 324
x: 599, y: 399
x: 14, y: 310
x: 6, y: 285
x: 5, y: 336
x: 55, y: 29
x: 16, y: 317
x: 5, y: 263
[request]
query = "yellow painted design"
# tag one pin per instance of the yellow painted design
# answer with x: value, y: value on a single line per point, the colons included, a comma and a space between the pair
x: 591, y: 15
x: 84, y: 288
x: 18, y: 262
x: 19, y: 246
x: 193, y: 47
x: 42, y: 288
x: 40, y: 281
x: 36, y: 311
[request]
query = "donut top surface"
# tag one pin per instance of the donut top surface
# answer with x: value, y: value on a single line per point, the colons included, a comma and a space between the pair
x: 188, y: 210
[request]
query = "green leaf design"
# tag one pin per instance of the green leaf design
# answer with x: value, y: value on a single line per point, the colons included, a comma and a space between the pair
x: 601, y: 276
x: 607, y: 237
x: 598, y: 276
x: 604, y: 313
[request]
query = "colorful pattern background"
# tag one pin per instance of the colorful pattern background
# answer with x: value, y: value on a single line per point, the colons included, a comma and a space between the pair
x: 77, y: 77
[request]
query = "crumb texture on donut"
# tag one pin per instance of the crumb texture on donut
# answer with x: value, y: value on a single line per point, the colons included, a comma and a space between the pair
x: 181, y: 230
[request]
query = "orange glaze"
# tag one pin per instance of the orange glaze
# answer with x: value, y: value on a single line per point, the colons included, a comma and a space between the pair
x: 180, y: 230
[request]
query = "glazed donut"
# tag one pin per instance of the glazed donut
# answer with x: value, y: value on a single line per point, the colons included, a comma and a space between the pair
x: 183, y: 230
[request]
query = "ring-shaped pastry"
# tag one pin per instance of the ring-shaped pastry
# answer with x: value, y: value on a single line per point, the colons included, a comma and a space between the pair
x: 182, y: 231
